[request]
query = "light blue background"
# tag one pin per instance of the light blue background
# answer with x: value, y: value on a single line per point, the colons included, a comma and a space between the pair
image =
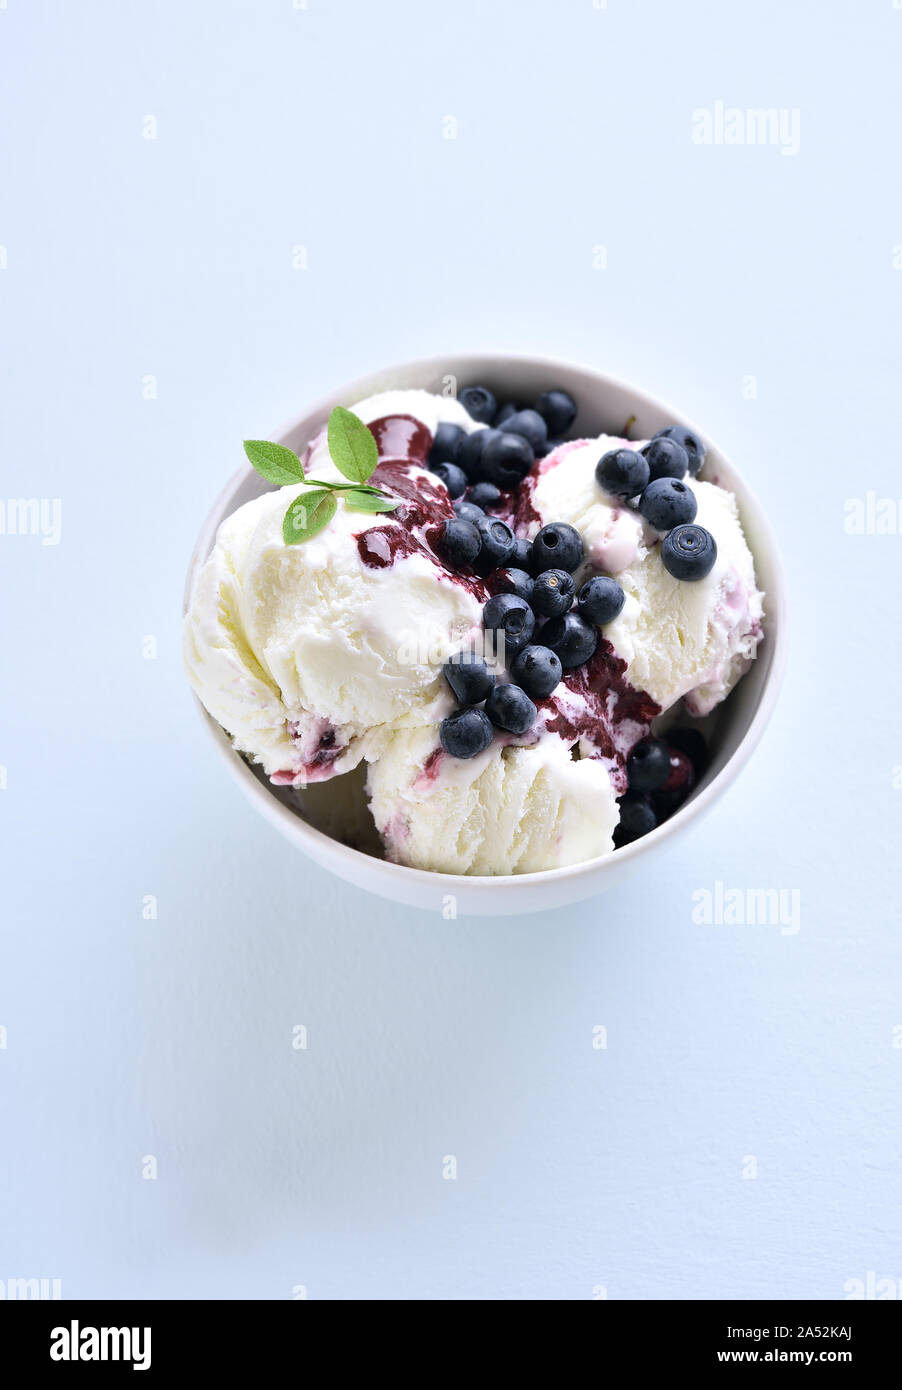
x: 128, y: 257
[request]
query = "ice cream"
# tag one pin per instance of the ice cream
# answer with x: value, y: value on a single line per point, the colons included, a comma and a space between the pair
x: 678, y: 640
x: 320, y: 657
x: 510, y: 810
x: 309, y: 655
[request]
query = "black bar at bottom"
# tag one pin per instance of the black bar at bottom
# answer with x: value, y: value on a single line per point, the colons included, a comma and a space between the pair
x: 115, y: 1336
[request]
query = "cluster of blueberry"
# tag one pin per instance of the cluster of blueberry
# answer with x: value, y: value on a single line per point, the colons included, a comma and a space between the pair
x: 534, y: 597
x: 531, y: 581
x: 652, y: 480
x: 533, y: 590
x: 661, y: 773
x: 502, y: 455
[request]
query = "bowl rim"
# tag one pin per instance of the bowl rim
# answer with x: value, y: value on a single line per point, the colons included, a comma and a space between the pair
x: 300, y: 831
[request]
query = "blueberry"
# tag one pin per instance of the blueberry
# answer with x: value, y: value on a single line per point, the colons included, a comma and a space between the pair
x: 667, y: 502
x: 665, y: 803
x: 553, y: 593
x: 522, y: 554
x: 558, y: 410
x: 507, y: 410
x: 690, y: 442
x: 465, y: 733
x: 469, y: 677
x: 454, y: 478
x: 512, y: 616
x: 666, y: 458
x: 459, y: 542
x: 689, y: 552
x: 510, y: 708
x: 506, y: 459
x: 571, y: 638
x: 497, y: 542
x: 531, y: 427
x: 469, y: 456
x: 692, y: 743
x: 601, y: 599
x: 681, y: 776
x: 447, y: 442
x: 511, y: 581
x: 551, y: 446
x: 468, y: 511
x: 648, y: 765
x: 537, y: 669
x: 680, y: 781
x: 622, y: 473
x: 637, y: 818
x: 557, y: 546
x: 478, y: 402
x: 483, y: 494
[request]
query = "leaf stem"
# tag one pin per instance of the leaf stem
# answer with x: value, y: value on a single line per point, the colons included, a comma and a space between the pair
x: 345, y: 487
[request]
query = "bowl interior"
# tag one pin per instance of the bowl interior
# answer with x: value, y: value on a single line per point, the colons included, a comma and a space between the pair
x: 605, y: 405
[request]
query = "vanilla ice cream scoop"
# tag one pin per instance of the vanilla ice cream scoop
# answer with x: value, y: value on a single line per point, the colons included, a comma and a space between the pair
x: 678, y: 639
x: 691, y: 640
x: 510, y: 810
x: 310, y: 654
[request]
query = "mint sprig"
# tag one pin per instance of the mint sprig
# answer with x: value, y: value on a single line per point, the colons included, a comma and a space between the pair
x: 355, y: 454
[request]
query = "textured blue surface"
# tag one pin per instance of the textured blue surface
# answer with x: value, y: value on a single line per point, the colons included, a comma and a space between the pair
x: 580, y: 1168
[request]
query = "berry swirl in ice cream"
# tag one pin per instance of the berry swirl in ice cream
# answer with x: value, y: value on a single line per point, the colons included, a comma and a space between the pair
x: 491, y: 621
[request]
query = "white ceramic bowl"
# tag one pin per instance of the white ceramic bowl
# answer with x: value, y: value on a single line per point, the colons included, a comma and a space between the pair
x: 604, y: 405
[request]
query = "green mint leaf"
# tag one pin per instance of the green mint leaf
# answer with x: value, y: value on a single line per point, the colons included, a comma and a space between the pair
x: 274, y: 462
x: 352, y: 447
x: 360, y: 501
x: 308, y: 514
